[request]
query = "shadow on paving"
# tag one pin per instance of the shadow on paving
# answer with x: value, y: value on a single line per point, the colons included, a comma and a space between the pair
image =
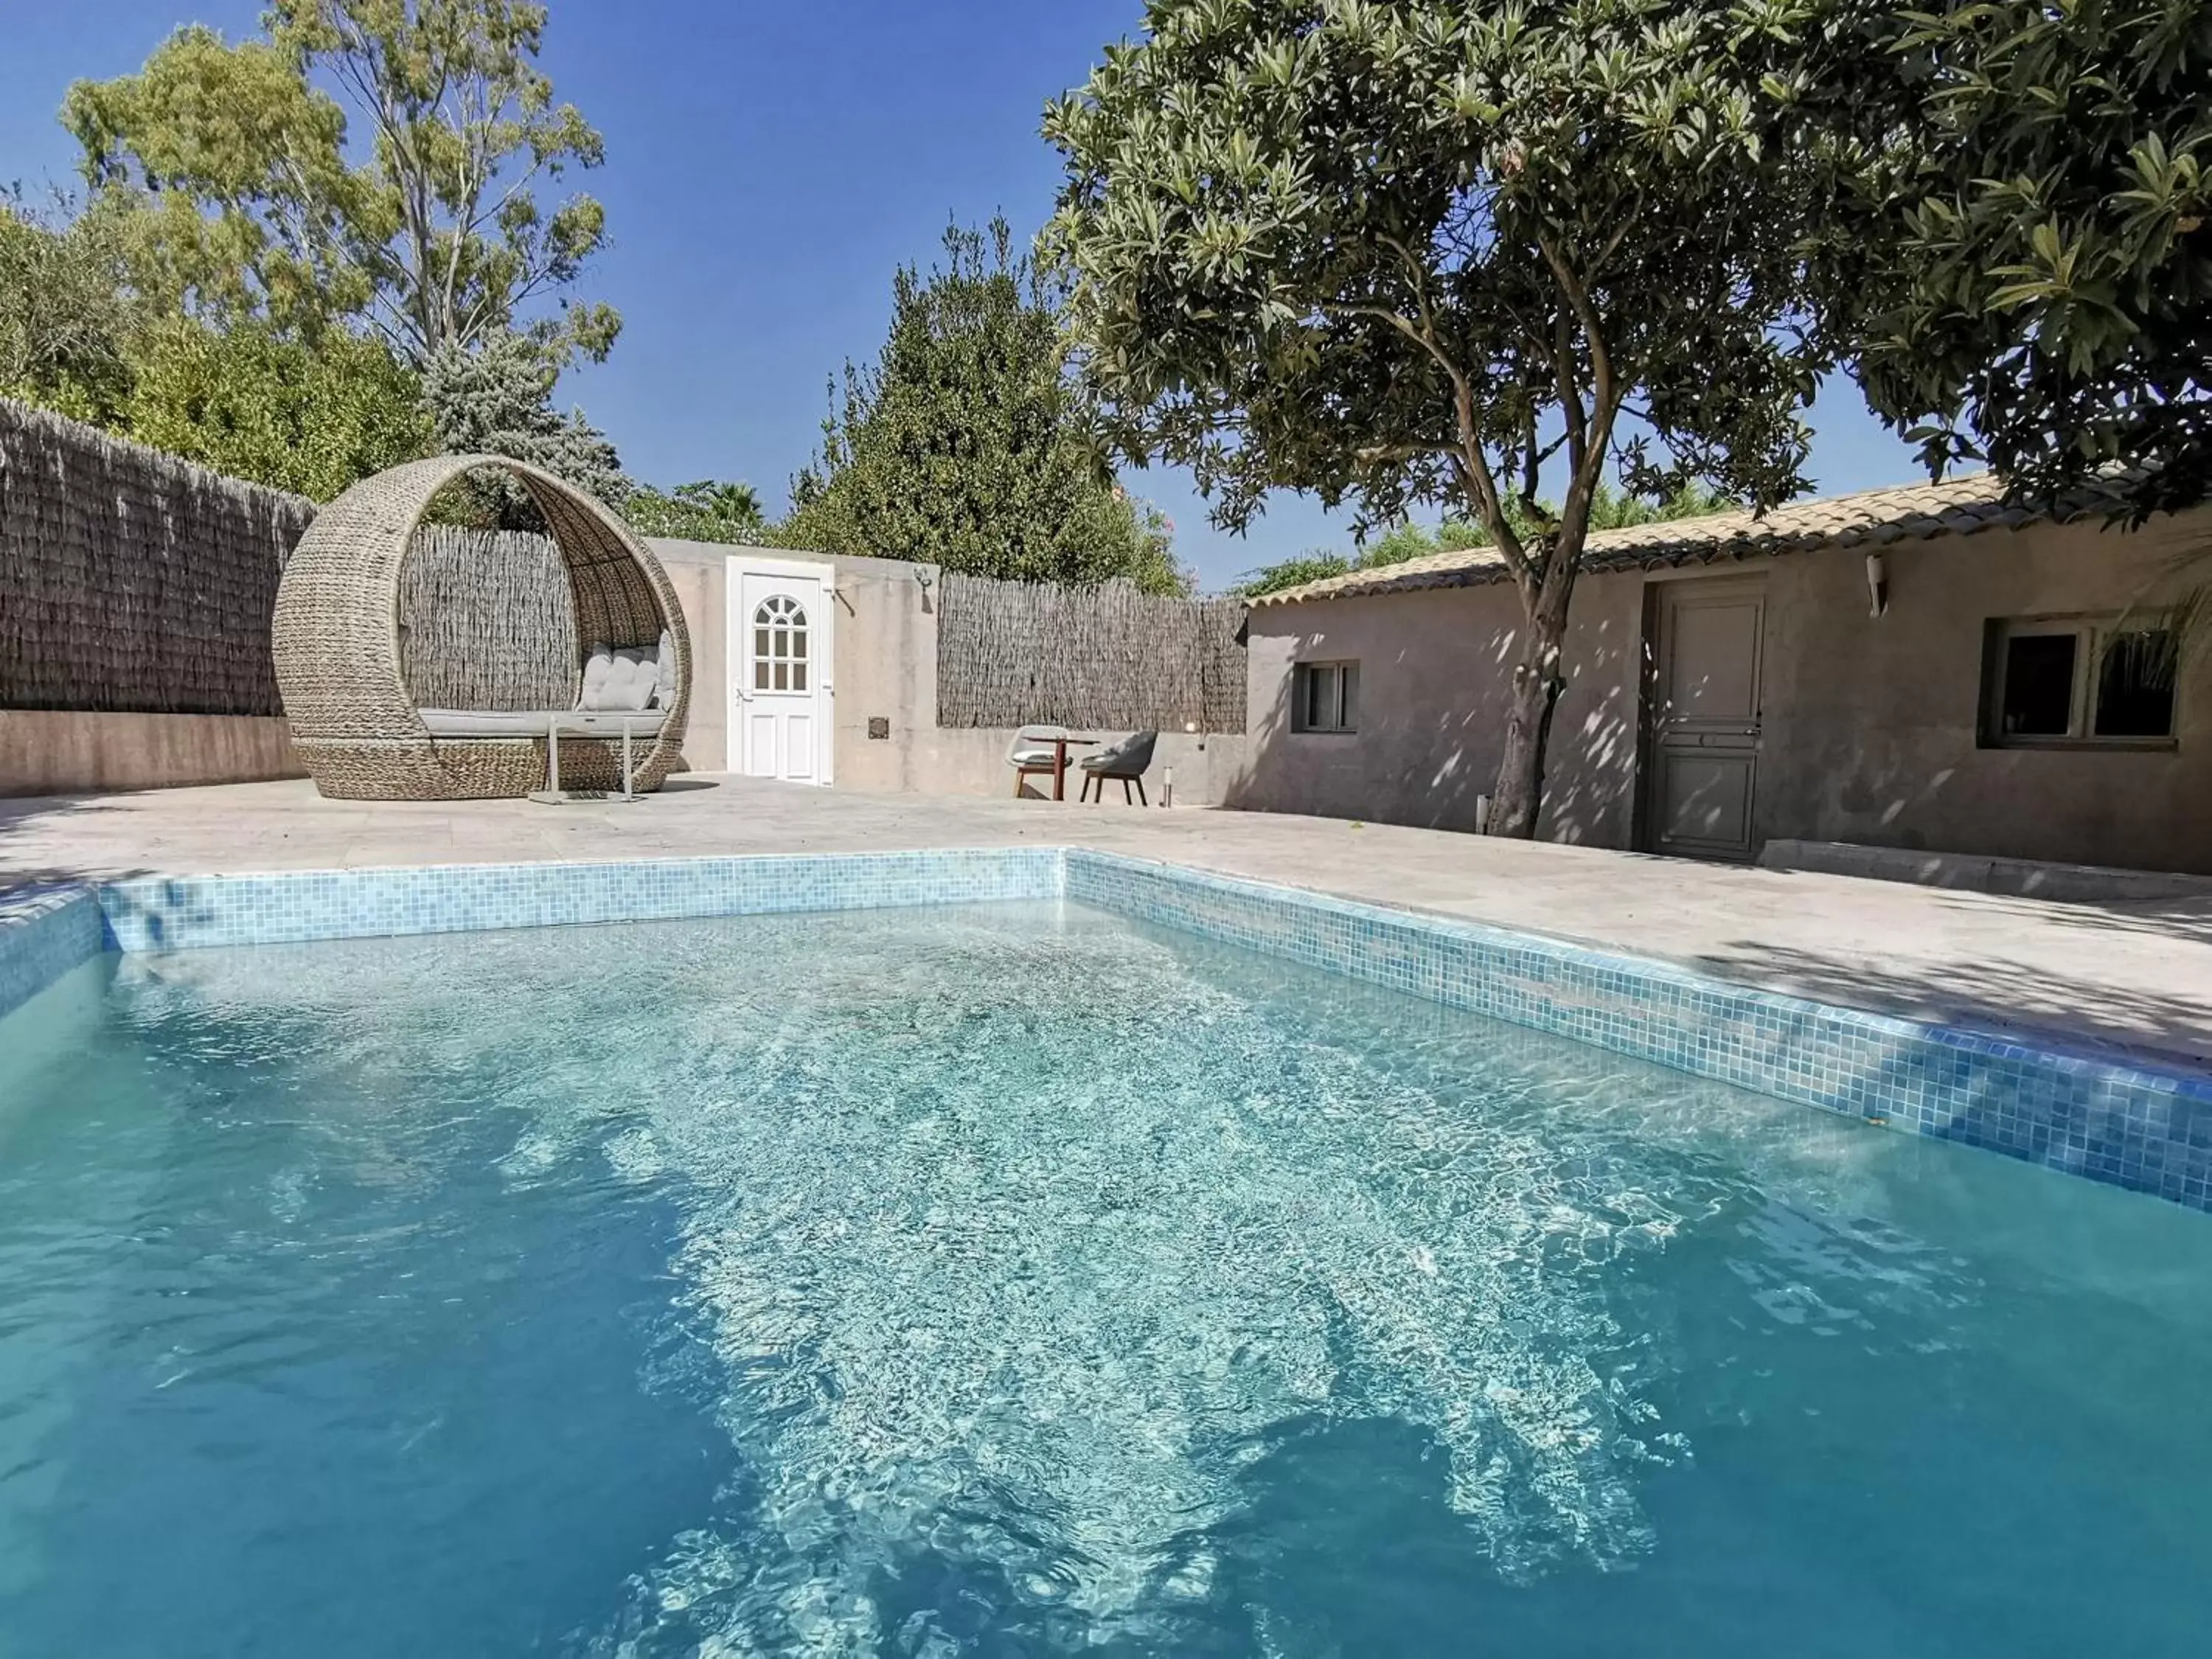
x: 1991, y: 995
x: 35, y: 829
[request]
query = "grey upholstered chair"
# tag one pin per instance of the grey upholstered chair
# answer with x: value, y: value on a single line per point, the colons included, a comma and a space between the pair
x: 1126, y: 760
x: 1031, y: 752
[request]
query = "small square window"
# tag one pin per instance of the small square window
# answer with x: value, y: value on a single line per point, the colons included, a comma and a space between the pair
x: 2079, y: 680
x: 1325, y: 696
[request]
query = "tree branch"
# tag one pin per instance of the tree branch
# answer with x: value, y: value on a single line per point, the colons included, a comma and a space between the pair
x: 1467, y: 458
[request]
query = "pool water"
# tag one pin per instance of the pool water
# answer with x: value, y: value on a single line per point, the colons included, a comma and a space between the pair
x: 1016, y: 1279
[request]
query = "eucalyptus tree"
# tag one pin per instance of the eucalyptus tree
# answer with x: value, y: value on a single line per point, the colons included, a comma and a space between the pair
x: 376, y: 160
x: 1434, y: 253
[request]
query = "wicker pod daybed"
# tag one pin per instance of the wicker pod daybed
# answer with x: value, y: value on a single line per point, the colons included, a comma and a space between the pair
x: 340, y: 665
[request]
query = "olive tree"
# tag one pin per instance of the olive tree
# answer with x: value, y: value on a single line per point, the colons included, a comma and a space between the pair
x: 1473, y: 257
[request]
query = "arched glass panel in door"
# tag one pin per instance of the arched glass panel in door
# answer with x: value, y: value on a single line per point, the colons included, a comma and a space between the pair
x: 780, y: 644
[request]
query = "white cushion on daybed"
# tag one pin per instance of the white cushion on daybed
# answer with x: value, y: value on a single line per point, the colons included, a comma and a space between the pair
x: 628, y: 678
x: 531, y: 723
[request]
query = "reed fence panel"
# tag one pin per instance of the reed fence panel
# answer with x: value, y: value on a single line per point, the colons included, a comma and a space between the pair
x: 1014, y: 654
x: 486, y: 621
x: 132, y: 581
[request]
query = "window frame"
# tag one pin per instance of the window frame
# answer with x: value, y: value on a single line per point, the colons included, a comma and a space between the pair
x: 2093, y: 633
x: 1343, y: 719
x: 780, y: 626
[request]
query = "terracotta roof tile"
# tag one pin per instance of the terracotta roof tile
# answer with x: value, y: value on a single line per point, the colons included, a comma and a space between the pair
x: 1870, y: 518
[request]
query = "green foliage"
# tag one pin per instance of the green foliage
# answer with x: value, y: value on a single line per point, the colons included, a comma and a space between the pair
x: 65, y: 321
x: 75, y: 338
x: 1316, y: 565
x: 1413, y: 254
x: 1610, y: 509
x: 234, y: 173
x: 497, y: 400
x: 962, y: 445
x: 2036, y: 262
x: 708, y: 511
x: 312, y: 420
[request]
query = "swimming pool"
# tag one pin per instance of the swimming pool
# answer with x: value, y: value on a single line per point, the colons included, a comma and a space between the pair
x: 1021, y: 1278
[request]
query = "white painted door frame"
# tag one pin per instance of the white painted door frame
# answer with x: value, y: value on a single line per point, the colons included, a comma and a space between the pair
x: 767, y: 576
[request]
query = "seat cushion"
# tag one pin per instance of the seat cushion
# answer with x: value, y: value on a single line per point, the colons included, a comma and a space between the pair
x: 1030, y: 757
x: 636, y: 688
x: 533, y: 722
x: 598, y: 667
x: 609, y: 722
x: 624, y: 679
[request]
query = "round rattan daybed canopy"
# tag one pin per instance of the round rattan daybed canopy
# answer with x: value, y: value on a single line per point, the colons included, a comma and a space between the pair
x: 340, y: 664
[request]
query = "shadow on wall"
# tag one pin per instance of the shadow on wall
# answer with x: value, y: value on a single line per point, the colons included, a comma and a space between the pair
x: 1436, y: 669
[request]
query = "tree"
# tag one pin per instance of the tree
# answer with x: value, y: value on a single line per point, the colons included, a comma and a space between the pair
x: 1610, y: 509
x: 75, y: 338
x: 1416, y: 253
x: 498, y: 401
x: 963, y: 444
x: 1316, y: 564
x: 706, y: 510
x: 2034, y: 269
x: 312, y: 420
x: 244, y: 198
x: 65, y: 319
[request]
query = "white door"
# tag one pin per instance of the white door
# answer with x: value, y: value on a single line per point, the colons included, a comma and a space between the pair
x: 781, y: 621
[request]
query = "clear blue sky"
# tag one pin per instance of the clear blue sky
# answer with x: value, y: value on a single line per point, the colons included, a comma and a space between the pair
x: 767, y: 166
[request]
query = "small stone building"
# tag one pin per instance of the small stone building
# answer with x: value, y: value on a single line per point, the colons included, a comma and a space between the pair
x: 1919, y: 668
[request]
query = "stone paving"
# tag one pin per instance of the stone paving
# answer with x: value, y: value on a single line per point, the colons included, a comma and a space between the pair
x: 2133, y: 975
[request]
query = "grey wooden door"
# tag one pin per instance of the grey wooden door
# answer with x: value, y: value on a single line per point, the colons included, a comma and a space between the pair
x: 1703, y: 779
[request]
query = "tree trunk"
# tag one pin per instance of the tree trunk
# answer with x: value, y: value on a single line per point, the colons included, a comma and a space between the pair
x: 1537, y: 682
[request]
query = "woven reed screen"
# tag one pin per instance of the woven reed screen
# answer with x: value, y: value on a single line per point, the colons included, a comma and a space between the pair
x: 1012, y: 654
x: 486, y: 621
x: 131, y: 580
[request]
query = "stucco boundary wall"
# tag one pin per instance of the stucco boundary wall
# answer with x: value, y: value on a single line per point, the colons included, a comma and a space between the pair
x: 886, y: 681
x: 77, y: 752
x: 2145, y: 1128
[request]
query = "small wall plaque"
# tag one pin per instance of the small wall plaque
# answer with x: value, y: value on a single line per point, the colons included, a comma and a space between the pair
x: 879, y: 727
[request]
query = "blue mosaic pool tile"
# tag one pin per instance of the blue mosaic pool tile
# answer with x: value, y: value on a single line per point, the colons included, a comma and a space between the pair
x: 185, y: 913
x: 2141, y: 1128
x: 43, y: 932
